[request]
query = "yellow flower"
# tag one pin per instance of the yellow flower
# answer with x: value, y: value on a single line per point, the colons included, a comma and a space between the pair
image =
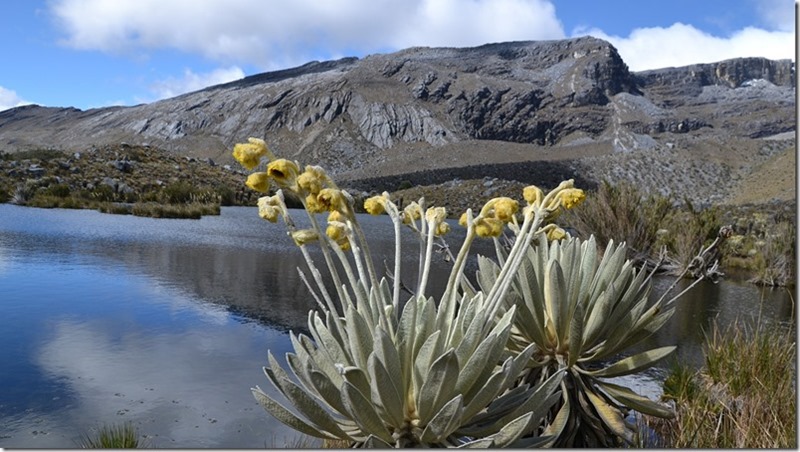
x: 249, y: 154
x: 284, y: 172
x: 442, y: 229
x: 336, y: 216
x: 488, y: 227
x: 375, y: 205
x: 412, y: 212
x: 312, y: 205
x: 336, y: 231
x: 268, y: 208
x: 533, y: 194
x: 304, y: 236
x: 313, y: 179
x: 571, y: 197
x: 258, y: 182
x: 435, y: 215
x: 556, y: 233
x: 331, y: 199
x: 462, y: 220
x: 505, y: 208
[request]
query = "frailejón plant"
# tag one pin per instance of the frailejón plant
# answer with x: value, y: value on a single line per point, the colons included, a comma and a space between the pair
x: 581, y: 313
x: 381, y: 369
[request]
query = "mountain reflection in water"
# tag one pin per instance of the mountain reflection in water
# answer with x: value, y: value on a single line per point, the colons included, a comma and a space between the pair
x: 166, y: 323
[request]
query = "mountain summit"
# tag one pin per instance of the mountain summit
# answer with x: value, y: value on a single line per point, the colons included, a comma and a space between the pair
x: 521, y: 110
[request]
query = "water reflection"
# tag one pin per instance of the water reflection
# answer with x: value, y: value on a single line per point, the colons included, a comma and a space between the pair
x: 166, y: 323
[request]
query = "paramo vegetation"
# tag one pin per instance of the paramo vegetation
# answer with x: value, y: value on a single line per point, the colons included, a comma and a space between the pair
x: 517, y: 357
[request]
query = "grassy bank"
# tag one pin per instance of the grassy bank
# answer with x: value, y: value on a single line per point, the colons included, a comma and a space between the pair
x: 745, y: 396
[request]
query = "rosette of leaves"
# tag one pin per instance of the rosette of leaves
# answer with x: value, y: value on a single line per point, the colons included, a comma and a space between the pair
x: 582, y: 313
x: 430, y: 377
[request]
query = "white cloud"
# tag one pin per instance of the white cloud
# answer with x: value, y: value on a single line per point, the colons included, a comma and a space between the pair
x: 190, y: 81
x: 282, y: 34
x: 681, y: 45
x: 272, y: 35
x: 10, y: 99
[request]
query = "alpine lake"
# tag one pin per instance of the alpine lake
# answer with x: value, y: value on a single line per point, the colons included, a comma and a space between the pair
x: 165, y: 324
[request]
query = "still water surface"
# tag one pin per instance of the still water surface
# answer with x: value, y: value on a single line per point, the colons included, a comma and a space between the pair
x: 166, y: 324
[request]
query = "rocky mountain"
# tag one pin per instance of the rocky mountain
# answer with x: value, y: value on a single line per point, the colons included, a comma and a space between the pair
x: 530, y: 112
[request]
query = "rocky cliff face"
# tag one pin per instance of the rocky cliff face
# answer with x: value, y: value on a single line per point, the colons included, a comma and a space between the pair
x: 572, y: 103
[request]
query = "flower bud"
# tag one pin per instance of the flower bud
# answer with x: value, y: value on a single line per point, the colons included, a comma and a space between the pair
x: 268, y: 208
x: 249, y: 154
x: 375, y: 205
x: 331, y: 199
x: 258, y: 182
x: 571, y: 197
x: 284, y: 172
x: 304, y: 236
x: 556, y: 233
x: 312, y: 205
x: 505, y: 208
x: 312, y: 179
x: 533, y: 194
x: 488, y: 227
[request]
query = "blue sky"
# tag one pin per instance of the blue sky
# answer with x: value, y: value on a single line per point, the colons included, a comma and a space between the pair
x: 96, y: 53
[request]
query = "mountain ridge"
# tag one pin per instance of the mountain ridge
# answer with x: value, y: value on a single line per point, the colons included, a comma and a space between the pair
x: 422, y: 110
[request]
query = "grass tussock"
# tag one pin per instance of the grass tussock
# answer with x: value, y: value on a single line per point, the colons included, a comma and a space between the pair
x: 743, y: 397
x: 191, y: 210
x: 123, y: 436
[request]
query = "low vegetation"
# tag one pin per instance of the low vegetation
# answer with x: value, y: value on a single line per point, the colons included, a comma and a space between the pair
x: 123, y: 179
x: 116, y: 436
x: 760, y: 244
x: 745, y: 396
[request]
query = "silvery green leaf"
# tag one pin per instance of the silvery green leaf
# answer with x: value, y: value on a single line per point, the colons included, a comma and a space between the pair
x: 557, y: 426
x: 478, y: 364
x: 533, y: 442
x: 357, y: 378
x: 481, y: 443
x: 611, y: 416
x: 320, y: 359
x: 307, y: 406
x: 633, y: 364
x: 287, y: 417
x: 373, y: 442
x: 597, y: 321
x: 555, y: 295
x: 438, y: 386
x: 426, y: 322
x: 430, y: 349
x: 512, y: 430
x: 576, y: 335
x: 541, y: 400
x: 362, y: 411
x: 405, y: 335
x: 359, y: 337
x: 327, y: 390
x: 487, y: 274
x: 633, y: 400
x: 471, y: 338
x: 483, y: 393
x: 328, y: 343
x: 647, y: 330
x: 444, y: 422
x: 383, y: 389
x: 386, y: 352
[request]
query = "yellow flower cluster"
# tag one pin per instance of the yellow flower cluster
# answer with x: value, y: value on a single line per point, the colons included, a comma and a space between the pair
x: 493, y: 217
x: 320, y: 194
x: 313, y: 186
